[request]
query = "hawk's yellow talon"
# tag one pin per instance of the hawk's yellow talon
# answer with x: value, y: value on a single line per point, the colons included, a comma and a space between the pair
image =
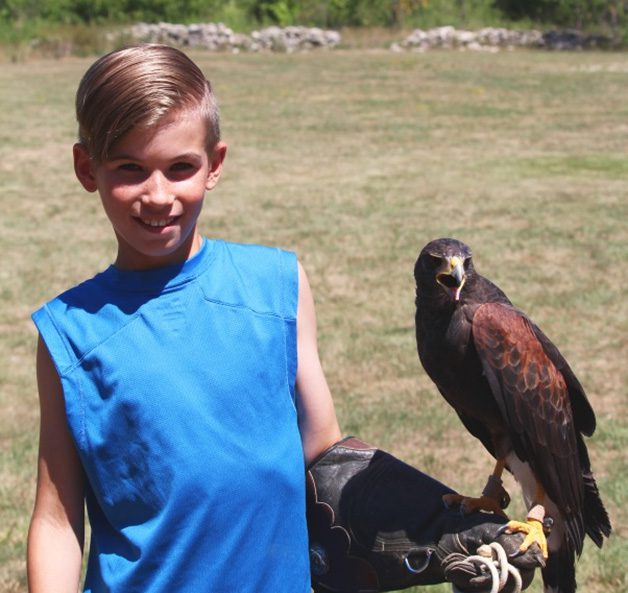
x: 534, y: 534
x: 470, y: 505
x: 452, y: 499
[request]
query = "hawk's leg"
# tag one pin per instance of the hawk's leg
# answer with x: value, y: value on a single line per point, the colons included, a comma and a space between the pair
x: 494, y: 497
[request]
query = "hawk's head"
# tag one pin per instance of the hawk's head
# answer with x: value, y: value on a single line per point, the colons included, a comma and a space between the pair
x: 443, y: 265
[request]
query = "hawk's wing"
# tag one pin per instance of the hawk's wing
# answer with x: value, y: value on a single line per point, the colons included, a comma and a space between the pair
x: 584, y: 417
x: 535, y: 402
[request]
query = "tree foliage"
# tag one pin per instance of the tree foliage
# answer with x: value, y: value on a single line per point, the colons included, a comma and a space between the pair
x: 93, y: 11
x: 326, y: 13
x: 572, y: 13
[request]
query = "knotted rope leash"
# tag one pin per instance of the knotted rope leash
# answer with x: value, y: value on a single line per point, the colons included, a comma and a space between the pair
x: 493, y: 557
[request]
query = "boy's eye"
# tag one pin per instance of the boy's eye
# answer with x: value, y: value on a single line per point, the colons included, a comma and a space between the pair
x: 181, y: 166
x: 129, y: 167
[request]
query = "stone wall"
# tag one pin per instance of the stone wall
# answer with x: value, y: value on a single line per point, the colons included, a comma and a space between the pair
x: 495, y: 39
x: 489, y: 38
x: 219, y: 37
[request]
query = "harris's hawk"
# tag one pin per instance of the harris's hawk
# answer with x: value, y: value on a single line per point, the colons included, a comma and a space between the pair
x: 514, y: 391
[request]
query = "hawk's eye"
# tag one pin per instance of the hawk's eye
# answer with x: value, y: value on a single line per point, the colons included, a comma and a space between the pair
x: 467, y: 263
x: 434, y: 260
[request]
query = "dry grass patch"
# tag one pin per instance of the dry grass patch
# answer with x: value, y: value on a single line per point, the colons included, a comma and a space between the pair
x: 355, y: 160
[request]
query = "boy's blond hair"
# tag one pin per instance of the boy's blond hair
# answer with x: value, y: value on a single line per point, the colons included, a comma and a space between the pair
x: 140, y: 85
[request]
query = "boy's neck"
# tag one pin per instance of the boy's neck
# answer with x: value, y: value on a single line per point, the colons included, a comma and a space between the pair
x: 131, y: 260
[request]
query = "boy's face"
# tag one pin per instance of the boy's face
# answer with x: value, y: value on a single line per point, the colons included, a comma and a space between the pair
x: 152, y: 188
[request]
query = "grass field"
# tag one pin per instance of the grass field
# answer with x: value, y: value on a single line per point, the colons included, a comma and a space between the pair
x: 355, y: 160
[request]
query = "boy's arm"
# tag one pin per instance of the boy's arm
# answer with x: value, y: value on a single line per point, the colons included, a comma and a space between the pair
x: 317, y: 417
x: 55, y: 537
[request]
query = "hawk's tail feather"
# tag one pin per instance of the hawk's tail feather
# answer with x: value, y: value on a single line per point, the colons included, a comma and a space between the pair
x: 559, y: 574
x: 596, y: 521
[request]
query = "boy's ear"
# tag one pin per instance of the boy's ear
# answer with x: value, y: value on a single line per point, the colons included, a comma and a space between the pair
x: 83, y: 167
x: 215, y: 165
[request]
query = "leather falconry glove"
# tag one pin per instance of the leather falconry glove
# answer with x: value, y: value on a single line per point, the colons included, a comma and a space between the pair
x: 379, y: 524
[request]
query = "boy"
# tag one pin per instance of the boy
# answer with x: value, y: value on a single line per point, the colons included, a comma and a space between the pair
x: 171, y: 399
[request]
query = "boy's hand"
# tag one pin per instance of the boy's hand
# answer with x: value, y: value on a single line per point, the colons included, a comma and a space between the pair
x: 458, y: 554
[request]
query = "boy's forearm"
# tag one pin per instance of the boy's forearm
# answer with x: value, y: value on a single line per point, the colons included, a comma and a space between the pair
x: 54, y: 557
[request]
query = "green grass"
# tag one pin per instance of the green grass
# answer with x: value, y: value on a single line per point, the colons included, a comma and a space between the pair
x: 355, y: 159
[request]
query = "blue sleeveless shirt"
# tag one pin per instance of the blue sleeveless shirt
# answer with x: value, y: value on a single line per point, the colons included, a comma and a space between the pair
x: 179, y: 395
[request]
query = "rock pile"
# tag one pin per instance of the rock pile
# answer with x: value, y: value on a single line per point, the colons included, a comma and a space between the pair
x: 488, y: 39
x: 494, y: 39
x: 213, y: 36
x: 219, y: 37
x: 294, y: 38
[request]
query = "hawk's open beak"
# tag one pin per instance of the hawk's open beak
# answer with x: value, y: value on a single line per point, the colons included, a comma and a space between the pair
x: 452, y: 276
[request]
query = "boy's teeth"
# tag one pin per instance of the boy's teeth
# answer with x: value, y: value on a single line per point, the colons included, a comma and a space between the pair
x: 157, y: 223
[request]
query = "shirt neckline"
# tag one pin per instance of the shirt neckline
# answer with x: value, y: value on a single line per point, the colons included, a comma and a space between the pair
x: 163, y: 278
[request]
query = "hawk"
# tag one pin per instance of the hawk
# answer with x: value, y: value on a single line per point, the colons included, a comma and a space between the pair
x: 515, y: 392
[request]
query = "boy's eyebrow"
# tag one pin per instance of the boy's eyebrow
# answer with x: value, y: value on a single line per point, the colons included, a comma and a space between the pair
x: 123, y: 156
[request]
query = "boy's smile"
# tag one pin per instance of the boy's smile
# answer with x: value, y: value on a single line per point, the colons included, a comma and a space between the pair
x: 152, y: 187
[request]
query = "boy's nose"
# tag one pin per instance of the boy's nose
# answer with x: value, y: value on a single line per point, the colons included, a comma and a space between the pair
x: 157, y: 190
